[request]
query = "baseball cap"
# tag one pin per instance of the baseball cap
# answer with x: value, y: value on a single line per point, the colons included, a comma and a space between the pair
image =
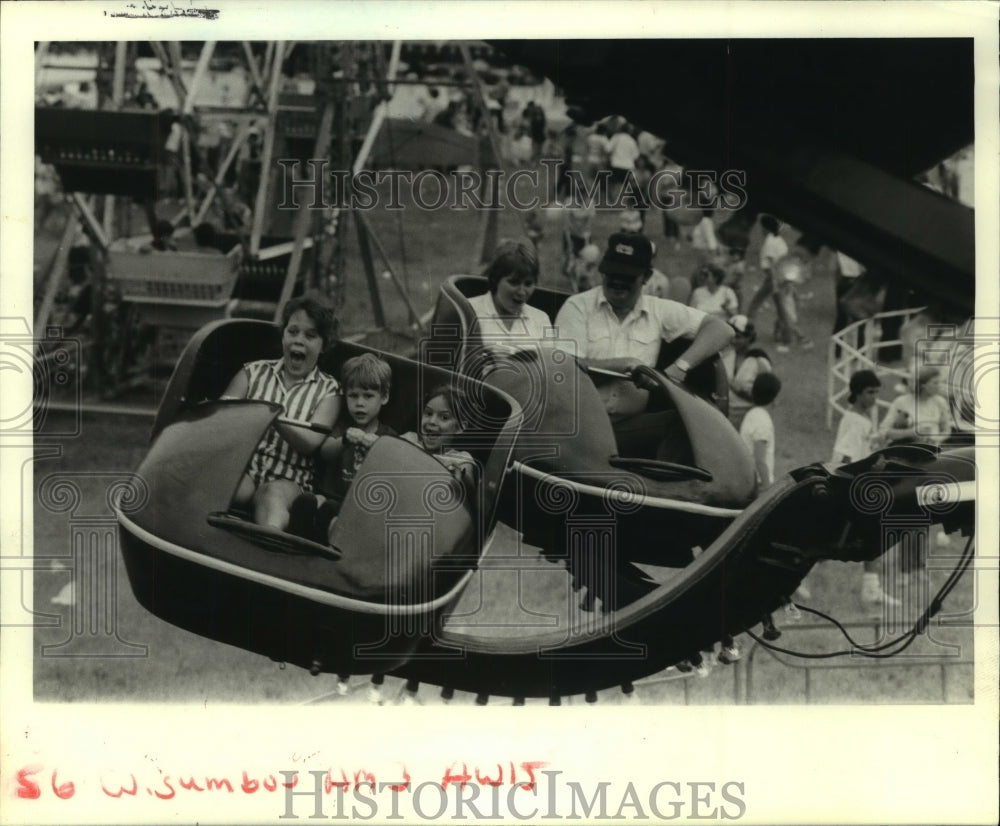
x: 629, y: 254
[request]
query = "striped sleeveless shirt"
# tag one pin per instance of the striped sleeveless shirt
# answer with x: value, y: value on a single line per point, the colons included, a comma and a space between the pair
x: 274, y: 458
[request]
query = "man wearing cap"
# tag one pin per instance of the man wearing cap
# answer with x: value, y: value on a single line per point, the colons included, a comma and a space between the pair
x: 616, y: 327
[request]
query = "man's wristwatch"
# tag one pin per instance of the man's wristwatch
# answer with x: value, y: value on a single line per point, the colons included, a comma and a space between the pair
x: 682, y: 365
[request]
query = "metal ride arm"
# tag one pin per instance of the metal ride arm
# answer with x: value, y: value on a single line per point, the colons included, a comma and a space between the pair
x: 754, y: 566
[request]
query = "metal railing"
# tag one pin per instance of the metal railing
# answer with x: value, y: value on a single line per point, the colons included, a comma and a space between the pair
x: 857, y: 347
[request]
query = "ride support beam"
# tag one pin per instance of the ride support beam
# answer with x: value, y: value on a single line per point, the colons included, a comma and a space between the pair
x: 177, y: 62
x: 238, y: 141
x: 90, y: 221
x: 378, y: 118
x: 260, y: 205
x: 55, y: 277
x: 186, y: 160
x: 411, y: 310
x: 256, y: 79
x: 303, y: 218
x: 363, y: 230
x: 487, y: 234
x: 364, y: 244
x: 173, y: 76
x: 207, y: 50
x: 268, y: 58
x: 118, y: 80
x: 117, y: 98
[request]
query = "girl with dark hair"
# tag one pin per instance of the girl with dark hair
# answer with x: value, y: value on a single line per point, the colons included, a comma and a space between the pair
x: 441, y: 422
x: 282, y: 465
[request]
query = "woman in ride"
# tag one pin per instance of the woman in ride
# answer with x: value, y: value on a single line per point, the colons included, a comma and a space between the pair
x: 282, y: 464
x: 505, y: 320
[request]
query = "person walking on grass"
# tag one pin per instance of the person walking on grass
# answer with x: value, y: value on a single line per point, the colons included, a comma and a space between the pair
x: 857, y: 437
x: 781, y: 291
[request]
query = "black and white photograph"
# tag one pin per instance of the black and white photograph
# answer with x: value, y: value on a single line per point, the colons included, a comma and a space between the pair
x: 476, y: 413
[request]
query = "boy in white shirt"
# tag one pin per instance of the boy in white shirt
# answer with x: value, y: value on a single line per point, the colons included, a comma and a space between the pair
x: 757, y: 428
x: 757, y: 431
x: 857, y: 437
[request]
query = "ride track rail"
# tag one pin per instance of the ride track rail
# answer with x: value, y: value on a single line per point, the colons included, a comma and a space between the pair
x: 746, y: 689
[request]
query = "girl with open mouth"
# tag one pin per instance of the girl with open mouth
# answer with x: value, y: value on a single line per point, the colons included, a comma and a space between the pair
x: 282, y: 465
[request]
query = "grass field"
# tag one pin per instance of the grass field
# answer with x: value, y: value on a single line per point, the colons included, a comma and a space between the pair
x: 425, y: 247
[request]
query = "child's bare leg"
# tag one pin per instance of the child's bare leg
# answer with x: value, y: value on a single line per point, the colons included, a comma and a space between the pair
x: 244, y: 493
x: 272, y: 501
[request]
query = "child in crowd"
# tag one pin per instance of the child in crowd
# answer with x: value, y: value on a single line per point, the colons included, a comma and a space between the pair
x: 757, y: 431
x: 712, y: 296
x: 578, y: 224
x: 282, y: 465
x: 856, y: 434
x: 743, y: 363
x: 922, y: 416
x: 703, y: 235
x: 757, y: 428
x: 788, y: 275
x: 857, y: 438
x: 735, y: 267
x: 772, y: 250
x: 585, y: 274
x: 776, y: 267
x: 919, y: 417
x: 753, y: 362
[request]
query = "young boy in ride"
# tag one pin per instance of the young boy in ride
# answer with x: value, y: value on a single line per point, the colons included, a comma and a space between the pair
x: 856, y: 438
x: 282, y: 465
x: 366, y: 382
